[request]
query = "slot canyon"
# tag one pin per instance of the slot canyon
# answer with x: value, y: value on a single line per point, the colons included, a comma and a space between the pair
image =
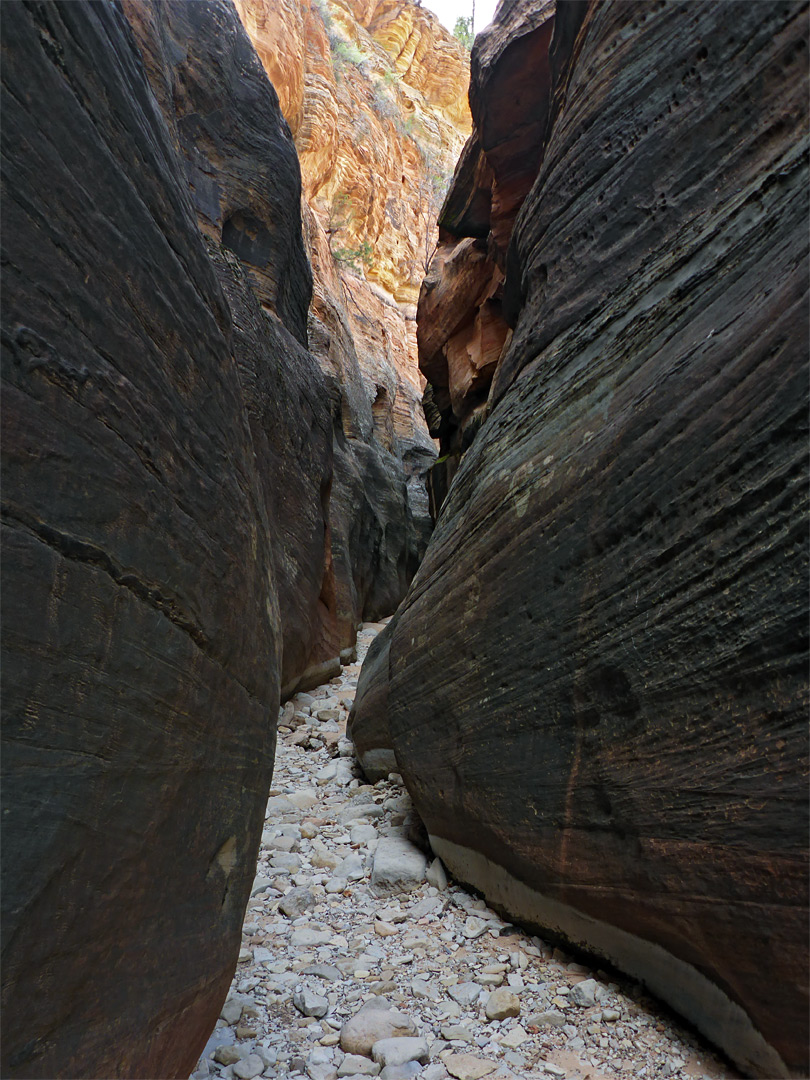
x: 404, y: 565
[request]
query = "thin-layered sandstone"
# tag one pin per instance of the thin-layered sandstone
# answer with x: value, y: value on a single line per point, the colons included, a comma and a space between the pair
x: 375, y: 92
x: 463, y: 329
x: 141, y: 631
x: 598, y: 681
x: 197, y: 510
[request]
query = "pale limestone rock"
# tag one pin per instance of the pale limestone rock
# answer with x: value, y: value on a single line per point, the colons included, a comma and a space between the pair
x: 468, y: 1066
x: 371, y: 1024
x: 502, y: 1003
x: 399, y: 1051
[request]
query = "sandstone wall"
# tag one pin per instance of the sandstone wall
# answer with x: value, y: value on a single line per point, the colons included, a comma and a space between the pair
x: 375, y: 92
x: 197, y: 511
x: 141, y: 632
x: 598, y: 680
x: 463, y: 329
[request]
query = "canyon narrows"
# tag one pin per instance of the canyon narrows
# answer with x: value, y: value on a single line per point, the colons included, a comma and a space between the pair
x: 216, y: 218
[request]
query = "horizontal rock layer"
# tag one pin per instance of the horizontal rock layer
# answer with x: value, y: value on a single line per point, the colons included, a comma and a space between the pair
x: 598, y: 690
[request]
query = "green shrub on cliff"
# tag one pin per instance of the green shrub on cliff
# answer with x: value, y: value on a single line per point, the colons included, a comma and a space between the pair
x: 354, y: 258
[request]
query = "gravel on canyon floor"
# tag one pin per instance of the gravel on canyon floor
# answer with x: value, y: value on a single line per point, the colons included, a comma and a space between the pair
x: 359, y: 959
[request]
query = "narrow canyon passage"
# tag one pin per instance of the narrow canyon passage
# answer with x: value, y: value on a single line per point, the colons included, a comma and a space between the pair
x: 328, y: 334
x: 346, y: 944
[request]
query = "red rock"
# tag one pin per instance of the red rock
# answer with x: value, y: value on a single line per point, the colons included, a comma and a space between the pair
x: 461, y: 328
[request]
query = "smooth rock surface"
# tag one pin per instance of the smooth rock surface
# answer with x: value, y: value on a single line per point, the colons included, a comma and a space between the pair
x: 621, y: 727
x: 371, y: 1025
x: 368, y: 718
x: 356, y: 1065
x: 399, y: 1051
x: 468, y: 1066
x: 138, y: 563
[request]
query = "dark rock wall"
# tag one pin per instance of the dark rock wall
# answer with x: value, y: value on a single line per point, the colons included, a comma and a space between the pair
x: 347, y: 540
x: 140, y: 672
x: 462, y: 327
x: 168, y: 520
x: 368, y: 720
x: 598, y: 689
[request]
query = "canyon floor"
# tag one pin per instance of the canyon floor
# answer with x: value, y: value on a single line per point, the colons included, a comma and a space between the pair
x: 446, y: 987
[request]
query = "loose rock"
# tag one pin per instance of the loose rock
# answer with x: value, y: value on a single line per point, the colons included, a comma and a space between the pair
x: 249, y: 1067
x: 399, y: 866
x: 468, y: 1066
x: 310, y: 1004
x: 399, y: 1051
x: 355, y: 1065
x: 411, y: 950
x: 501, y: 1004
x: 585, y: 993
x: 373, y: 1024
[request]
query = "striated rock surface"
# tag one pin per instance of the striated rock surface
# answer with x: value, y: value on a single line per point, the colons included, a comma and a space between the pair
x: 236, y: 174
x: 375, y: 92
x: 141, y: 631
x: 368, y: 720
x: 197, y: 510
x: 462, y: 326
x: 598, y: 692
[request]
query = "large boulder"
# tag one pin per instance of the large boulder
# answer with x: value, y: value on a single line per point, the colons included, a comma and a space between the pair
x: 142, y: 641
x: 368, y: 720
x: 598, y: 692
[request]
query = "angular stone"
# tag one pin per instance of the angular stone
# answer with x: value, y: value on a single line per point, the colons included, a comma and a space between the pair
x: 310, y: 1004
x: 248, y: 1067
x: 231, y: 1011
x: 327, y: 972
x: 227, y: 1055
x: 585, y: 993
x: 515, y: 1037
x: 398, y: 866
x: 474, y: 927
x: 384, y: 929
x: 424, y: 988
x: 297, y: 901
x: 436, y: 1071
x: 457, y: 1033
x: 359, y: 809
x: 468, y: 1066
x: 398, y: 1051
x: 436, y: 875
x: 466, y: 993
x: 356, y: 1065
x: 306, y: 936
x: 305, y: 799
x: 501, y: 1004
